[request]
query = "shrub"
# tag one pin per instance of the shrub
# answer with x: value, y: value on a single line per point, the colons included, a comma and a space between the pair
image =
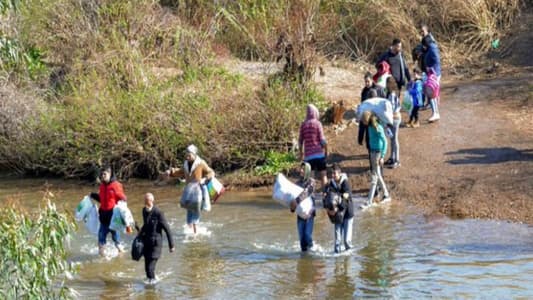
x: 33, y: 253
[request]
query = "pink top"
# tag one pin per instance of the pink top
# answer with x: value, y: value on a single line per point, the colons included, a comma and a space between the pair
x: 312, y: 135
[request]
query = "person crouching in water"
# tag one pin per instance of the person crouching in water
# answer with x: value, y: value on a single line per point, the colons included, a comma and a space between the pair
x: 341, y: 214
x: 305, y: 226
x: 196, y: 172
x: 378, y: 148
x: 109, y: 194
x: 152, y: 235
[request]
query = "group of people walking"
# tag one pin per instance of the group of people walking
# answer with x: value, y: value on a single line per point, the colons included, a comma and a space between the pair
x: 196, y: 173
x: 392, y: 75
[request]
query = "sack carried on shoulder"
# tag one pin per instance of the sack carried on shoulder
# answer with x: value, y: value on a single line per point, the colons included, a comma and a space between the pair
x: 137, y: 248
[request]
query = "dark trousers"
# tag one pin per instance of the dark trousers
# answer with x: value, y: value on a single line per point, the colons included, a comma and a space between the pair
x: 414, y: 114
x: 149, y: 267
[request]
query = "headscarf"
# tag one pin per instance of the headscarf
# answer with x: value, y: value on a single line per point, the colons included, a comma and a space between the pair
x: 312, y: 112
x: 383, y: 68
x: 307, y: 171
x: 192, y: 149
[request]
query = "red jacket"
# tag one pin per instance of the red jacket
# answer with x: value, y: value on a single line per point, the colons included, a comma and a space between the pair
x: 110, y: 194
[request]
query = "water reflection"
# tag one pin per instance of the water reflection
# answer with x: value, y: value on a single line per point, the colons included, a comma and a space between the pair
x: 310, y: 275
x: 342, y: 284
x: 377, y: 257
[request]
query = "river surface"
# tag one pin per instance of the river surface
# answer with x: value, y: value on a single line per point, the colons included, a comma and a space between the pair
x: 248, y: 249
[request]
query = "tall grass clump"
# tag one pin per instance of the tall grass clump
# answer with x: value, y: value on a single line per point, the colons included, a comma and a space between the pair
x: 33, y: 256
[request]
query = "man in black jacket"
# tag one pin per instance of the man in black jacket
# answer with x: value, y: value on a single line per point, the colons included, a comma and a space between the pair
x: 398, y: 66
x: 152, y: 235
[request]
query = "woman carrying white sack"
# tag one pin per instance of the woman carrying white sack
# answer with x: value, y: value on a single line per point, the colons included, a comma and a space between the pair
x: 196, y: 173
x: 305, y: 226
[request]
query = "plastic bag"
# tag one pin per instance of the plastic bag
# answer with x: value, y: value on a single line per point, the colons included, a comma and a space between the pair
x: 92, y: 222
x: 379, y: 106
x: 305, y: 208
x: 191, y: 198
x: 215, y: 188
x: 285, y: 191
x: 83, y: 208
x: 206, y: 199
x: 122, y: 219
x: 407, y: 103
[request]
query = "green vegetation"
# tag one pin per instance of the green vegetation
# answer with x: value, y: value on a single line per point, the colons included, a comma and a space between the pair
x: 33, y: 254
x: 276, y: 162
x: 131, y: 83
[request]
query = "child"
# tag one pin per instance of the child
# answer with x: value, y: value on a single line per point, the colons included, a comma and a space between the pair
x: 305, y: 226
x: 432, y: 90
x: 394, y: 160
x: 415, y: 90
x: 343, y: 226
x: 378, y: 148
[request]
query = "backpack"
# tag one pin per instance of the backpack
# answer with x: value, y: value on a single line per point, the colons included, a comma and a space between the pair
x: 331, y: 201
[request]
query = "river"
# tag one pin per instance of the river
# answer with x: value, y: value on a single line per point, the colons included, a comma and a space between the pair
x: 248, y: 249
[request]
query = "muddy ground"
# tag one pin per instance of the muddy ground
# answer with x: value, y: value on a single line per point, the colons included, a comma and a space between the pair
x: 477, y: 161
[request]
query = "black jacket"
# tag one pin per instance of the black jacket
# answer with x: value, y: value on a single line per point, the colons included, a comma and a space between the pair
x: 398, y: 67
x: 152, y: 232
x: 344, y: 187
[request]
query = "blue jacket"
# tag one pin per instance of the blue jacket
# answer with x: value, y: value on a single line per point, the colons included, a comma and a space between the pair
x: 378, y: 140
x: 432, y: 58
x: 416, y: 91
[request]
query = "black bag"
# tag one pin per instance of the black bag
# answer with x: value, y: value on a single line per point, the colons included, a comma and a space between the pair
x: 331, y: 201
x: 137, y: 248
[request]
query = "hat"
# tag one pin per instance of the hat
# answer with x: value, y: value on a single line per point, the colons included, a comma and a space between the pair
x: 192, y: 149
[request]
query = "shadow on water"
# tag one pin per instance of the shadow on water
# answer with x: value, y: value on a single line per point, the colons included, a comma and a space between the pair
x: 490, y: 155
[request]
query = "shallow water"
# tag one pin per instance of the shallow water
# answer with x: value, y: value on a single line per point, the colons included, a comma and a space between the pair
x: 249, y: 249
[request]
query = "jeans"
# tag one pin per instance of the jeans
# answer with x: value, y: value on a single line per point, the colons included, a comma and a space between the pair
x: 414, y: 114
x: 376, y: 176
x: 149, y: 266
x: 102, y: 235
x: 343, y: 232
x: 434, y: 106
x: 305, y: 232
x: 193, y: 217
x: 395, y: 143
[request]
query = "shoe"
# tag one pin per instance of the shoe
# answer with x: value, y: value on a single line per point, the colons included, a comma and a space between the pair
x: 365, y: 205
x: 313, y: 248
x: 415, y: 124
x: 386, y: 199
x: 434, y: 118
x: 348, y: 247
x: 395, y: 165
x: 389, y: 162
x: 409, y: 124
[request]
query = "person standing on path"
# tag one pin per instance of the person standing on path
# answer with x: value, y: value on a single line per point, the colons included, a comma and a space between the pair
x: 109, y: 194
x: 378, y: 148
x: 394, y: 160
x: 312, y: 143
x: 154, y: 223
x: 398, y: 66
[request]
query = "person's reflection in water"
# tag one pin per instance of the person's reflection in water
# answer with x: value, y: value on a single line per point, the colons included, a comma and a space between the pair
x: 200, y: 267
x: 310, y: 275
x: 377, y: 257
x: 342, y: 285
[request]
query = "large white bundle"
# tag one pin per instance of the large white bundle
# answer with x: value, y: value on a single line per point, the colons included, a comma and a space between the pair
x: 121, y: 218
x: 191, y: 198
x: 379, y: 106
x: 83, y: 208
x: 92, y: 222
x: 305, y: 208
x: 285, y: 191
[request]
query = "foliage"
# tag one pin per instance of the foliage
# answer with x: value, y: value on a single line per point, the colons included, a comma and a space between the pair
x: 33, y: 253
x: 276, y: 162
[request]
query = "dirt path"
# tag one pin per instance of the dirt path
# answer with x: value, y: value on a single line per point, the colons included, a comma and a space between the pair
x: 476, y: 162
